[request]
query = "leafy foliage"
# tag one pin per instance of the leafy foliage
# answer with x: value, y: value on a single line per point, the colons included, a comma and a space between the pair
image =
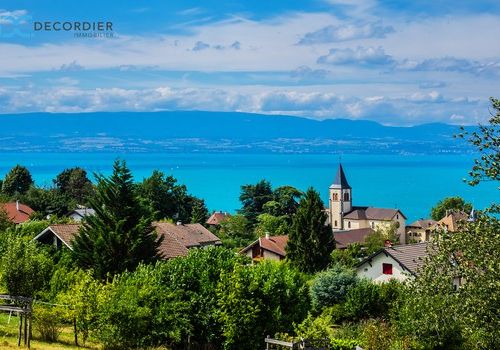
x: 310, y: 240
x: 253, y: 198
x: 260, y: 300
x: 487, y: 141
x: 25, y: 267
x: 75, y: 184
x: 120, y: 235
x: 331, y: 287
x: 450, y: 203
x: 17, y: 181
x: 234, y: 232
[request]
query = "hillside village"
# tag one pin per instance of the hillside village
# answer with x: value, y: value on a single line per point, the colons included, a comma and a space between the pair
x: 403, y: 253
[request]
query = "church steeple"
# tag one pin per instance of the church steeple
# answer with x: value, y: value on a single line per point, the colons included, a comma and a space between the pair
x: 340, y: 179
x: 340, y: 199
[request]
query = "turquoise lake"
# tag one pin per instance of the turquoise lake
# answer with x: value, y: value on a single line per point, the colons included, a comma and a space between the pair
x: 412, y: 183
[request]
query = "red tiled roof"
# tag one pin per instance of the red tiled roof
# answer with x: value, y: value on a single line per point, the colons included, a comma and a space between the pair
x: 217, y: 217
x: 15, y: 214
x: 345, y: 238
x: 275, y: 244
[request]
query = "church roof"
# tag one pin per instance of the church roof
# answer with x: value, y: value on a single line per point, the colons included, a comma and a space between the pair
x: 340, y: 179
x: 371, y: 213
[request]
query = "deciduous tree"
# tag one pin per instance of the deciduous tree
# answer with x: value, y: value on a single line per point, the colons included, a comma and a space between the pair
x: 17, y: 181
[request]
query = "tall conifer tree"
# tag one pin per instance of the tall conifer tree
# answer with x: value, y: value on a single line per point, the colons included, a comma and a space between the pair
x: 120, y: 234
x: 310, y: 240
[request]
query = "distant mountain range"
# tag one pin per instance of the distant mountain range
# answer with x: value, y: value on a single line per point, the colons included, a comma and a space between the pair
x: 217, y: 132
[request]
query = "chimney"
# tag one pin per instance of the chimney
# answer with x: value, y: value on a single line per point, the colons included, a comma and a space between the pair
x: 387, y: 243
x: 179, y: 223
x: 17, y: 205
x: 267, y: 235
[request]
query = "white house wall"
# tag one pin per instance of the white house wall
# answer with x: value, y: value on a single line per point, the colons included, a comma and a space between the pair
x: 374, y: 272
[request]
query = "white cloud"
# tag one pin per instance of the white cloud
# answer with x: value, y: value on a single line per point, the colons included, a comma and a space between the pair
x: 346, y: 32
x: 407, y: 109
x: 375, y: 56
x: 13, y: 17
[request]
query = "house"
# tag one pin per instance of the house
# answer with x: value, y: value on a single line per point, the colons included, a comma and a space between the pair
x: 267, y: 247
x: 78, y: 214
x: 17, y: 212
x: 399, y: 262
x: 345, y: 238
x: 217, y: 217
x: 453, y: 220
x: 342, y: 215
x: 177, y: 238
x: 420, y: 230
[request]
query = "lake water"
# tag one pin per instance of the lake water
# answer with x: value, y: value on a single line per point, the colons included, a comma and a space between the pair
x: 412, y: 183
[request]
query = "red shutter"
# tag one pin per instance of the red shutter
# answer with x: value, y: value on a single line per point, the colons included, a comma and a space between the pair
x: 387, y: 269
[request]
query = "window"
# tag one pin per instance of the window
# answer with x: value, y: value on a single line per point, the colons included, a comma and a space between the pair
x: 346, y: 196
x: 397, y: 216
x: 335, y: 223
x: 387, y: 269
x: 349, y: 224
x: 373, y: 224
x: 335, y: 197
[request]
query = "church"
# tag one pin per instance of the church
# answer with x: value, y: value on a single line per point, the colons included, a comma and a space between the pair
x: 343, y: 216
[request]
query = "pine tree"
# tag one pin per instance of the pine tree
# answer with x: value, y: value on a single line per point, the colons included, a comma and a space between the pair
x: 310, y: 240
x: 120, y: 235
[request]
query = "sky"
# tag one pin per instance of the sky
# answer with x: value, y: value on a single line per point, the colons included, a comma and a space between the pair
x: 394, y: 62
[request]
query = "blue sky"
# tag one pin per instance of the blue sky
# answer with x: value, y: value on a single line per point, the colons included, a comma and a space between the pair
x: 395, y: 62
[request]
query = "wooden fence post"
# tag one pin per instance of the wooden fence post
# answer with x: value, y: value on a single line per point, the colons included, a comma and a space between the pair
x: 20, y: 329
x: 75, y: 330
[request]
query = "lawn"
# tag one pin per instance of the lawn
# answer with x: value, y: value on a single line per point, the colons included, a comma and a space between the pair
x: 8, y: 336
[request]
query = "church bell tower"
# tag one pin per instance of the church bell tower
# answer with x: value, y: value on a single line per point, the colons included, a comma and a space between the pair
x: 340, y: 200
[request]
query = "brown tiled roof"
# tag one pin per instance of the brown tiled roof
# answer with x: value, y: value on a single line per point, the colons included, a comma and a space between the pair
x: 427, y: 223
x: 410, y: 256
x: 65, y: 232
x: 217, y: 217
x: 16, y: 215
x: 371, y: 213
x: 275, y: 244
x: 177, y: 239
x: 345, y: 238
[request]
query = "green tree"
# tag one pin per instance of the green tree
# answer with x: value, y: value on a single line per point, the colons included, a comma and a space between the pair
x: 75, y: 184
x: 442, y: 314
x: 197, y: 277
x: 450, y: 203
x: 260, y: 300
x: 487, y: 141
x: 162, y: 194
x: 274, y: 225
x: 199, y: 211
x: 347, y: 257
x: 120, y: 235
x: 48, y: 202
x: 253, y: 198
x: 17, y: 181
x: 330, y: 287
x: 25, y: 267
x: 310, y: 240
x: 138, y: 312
x: 284, y: 203
x: 234, y: 232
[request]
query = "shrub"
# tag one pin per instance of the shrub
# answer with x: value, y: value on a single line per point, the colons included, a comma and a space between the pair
x: 26, y: 268
x: 331, y: 287
x: 47, y: 320
x: 255, y: 301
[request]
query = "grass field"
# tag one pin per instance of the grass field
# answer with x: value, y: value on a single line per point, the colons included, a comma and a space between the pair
x: 8, y: 337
